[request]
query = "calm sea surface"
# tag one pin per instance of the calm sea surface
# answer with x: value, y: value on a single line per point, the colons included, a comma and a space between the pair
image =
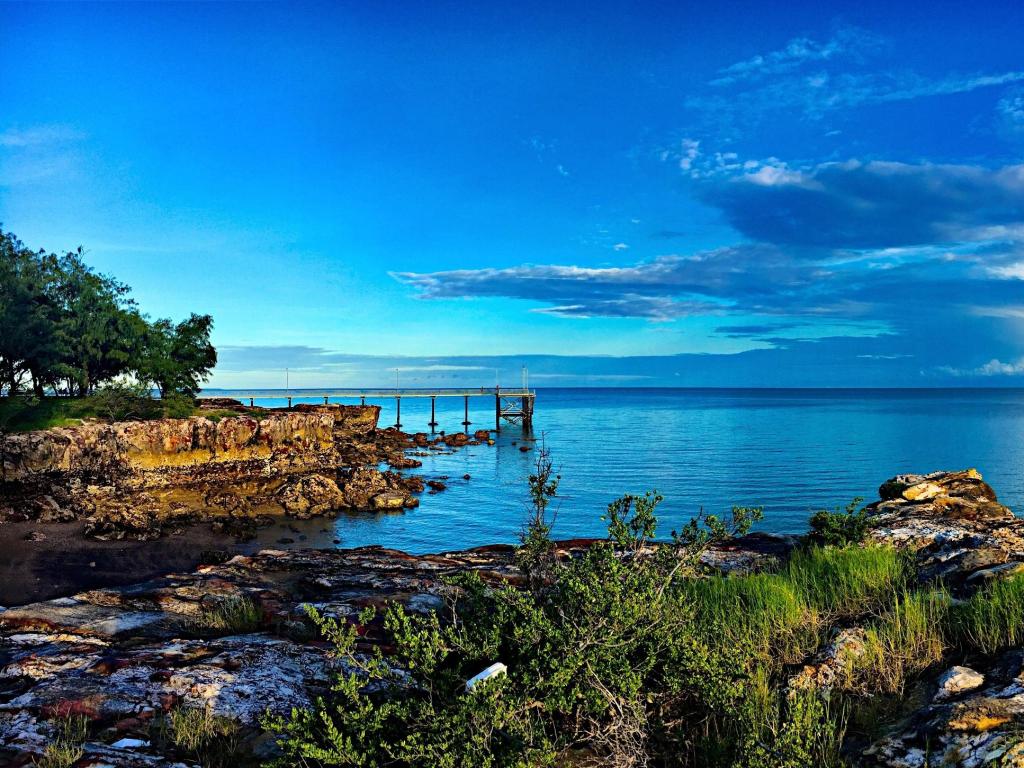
x: 790, y: 451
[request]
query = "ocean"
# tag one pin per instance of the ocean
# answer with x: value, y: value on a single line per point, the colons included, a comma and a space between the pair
x: 791, y: 451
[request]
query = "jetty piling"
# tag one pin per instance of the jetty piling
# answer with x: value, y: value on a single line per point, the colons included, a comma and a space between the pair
x: 513, y: 406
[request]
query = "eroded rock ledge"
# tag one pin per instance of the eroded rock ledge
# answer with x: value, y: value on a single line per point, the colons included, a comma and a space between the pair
x: 138, y: 479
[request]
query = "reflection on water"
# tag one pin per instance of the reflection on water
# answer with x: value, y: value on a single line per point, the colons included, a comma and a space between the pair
x: 791, y: 451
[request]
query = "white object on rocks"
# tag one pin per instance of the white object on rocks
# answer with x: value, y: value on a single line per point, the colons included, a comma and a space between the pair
x: 957, y: 680
x: 492, y: 671
x: 129, y: 744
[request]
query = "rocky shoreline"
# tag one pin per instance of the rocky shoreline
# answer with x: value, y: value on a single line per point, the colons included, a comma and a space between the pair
x: 123, y: 656
x: 142, y: 479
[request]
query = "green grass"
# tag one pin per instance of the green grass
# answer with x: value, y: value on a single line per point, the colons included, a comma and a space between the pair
x: 66, y: 748
x: 226, y: 413
x: 850, y: 581
x: 236, y: 615
x: 780, y: 617
x: 199, y: 734
x: 21, y: 414
x: 764, y: 614
x: 992, y: 619
x: 904, y: 642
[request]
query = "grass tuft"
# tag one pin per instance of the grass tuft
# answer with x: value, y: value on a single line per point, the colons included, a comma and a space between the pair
x: 992, y: 619
x: 904, y: 642
x: 236, y: 615
x: 847, y: 582
x: 66, y: 748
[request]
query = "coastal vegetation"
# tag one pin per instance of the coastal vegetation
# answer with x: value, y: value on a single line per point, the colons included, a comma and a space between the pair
x: 632, y: 654
x: 67, y: 330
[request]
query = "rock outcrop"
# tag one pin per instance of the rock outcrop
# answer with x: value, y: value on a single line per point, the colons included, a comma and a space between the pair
x: 139, y: 479
x: 953, y: 522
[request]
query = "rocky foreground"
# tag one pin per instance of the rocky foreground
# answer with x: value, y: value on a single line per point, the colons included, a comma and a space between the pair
x: 125, y: 657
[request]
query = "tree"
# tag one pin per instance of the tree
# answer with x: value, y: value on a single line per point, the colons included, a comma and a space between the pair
x: 29, y: 344
x: 63, y: 326
x: 177, y: 358
x: 99, y: 326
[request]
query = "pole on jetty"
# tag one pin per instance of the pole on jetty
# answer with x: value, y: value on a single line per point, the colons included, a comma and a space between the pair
x: 465, y: 419
x: 433, y: 421
x: 289, y: 402
x: 398, y: 411
x: 497, y: 410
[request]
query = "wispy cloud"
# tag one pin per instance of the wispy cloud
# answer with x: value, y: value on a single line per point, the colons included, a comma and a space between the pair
x: 800, y: 51
x: 818, y: 78
x: 40, y: 135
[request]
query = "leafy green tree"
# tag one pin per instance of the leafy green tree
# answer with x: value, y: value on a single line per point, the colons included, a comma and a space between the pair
x: 66, y: 328
x: 99, y: 326
x: 177, y: 358
x: 29, y: 343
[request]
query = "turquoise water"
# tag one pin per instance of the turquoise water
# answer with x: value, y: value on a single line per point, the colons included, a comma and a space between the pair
x: 790, y: 451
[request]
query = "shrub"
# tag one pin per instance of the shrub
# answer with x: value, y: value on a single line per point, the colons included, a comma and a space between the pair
x: 121, y: 401
x: 793, y: 732
x: 601, y: 652
x: 177, y: 406
x: 841, y: 526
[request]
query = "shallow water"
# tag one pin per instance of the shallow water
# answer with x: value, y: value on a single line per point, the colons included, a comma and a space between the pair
x: 790, y: 451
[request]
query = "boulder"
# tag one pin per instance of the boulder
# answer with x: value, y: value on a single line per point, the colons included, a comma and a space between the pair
x: 958, y: 680
x: 310, y: 496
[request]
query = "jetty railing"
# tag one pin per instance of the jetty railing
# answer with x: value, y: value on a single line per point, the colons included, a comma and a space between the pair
x: 514, y: 406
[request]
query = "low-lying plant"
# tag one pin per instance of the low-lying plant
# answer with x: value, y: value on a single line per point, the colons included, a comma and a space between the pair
x: 905, y: 641
x: 233, y: 615
x: 846, y: 582
x: 992, y: 619
x: 627, y: 654
x: 198, y: 733
x: 840, y: 527
x: 65, y: 748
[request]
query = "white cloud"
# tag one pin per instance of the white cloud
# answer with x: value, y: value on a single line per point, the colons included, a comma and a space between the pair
x: 1013, y: 271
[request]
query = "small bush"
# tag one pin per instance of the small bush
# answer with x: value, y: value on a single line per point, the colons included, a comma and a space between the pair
x: 177, y: 406
x: 992, y: 619
x: 66, y: 748
x: 840, y: 527
x: 793, y: 732
x: 122, y: 401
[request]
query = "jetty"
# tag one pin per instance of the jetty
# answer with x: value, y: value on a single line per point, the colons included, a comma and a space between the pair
x: 511, y: 406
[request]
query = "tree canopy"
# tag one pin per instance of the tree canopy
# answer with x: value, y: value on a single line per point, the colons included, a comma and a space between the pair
x: 65, y: 328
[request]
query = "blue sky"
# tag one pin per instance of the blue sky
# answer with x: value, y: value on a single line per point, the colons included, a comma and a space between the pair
x: 668, y: 194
